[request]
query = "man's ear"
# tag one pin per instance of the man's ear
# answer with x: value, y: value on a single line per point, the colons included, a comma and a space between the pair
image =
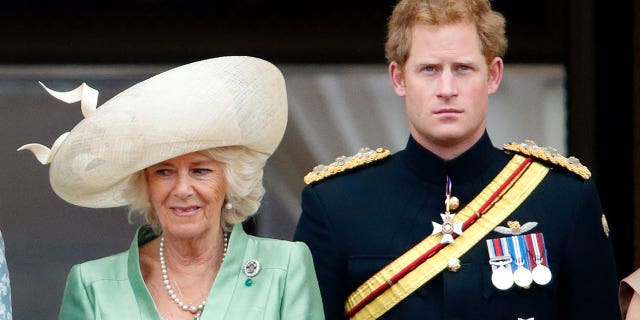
x: 495, y: 74
x: 397, y: 78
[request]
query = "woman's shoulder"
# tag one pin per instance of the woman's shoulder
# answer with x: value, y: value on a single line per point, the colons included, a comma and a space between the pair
x: 276, y: 244
x: 112, y: 267
x: 277, y: 250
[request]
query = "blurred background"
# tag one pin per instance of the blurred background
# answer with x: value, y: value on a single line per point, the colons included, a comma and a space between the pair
x: 572, y: 81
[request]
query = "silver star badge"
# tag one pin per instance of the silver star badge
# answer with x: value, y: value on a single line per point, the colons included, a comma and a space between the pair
x: 447, y: 228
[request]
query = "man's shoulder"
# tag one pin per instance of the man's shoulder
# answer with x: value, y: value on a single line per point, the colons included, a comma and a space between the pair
x: 363, y: 163
x: 550, y: 157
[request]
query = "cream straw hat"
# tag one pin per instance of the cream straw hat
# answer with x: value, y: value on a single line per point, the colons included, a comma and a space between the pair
x: 226, y: 101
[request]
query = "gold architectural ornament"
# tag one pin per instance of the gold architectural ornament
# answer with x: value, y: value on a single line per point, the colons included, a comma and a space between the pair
x: 549, y: 154
x: 343, y: 163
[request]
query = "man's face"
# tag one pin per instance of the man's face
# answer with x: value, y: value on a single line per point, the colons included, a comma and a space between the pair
x: 446, y: 84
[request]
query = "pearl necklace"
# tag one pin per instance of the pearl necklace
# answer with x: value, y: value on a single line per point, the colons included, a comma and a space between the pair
x: 165, y: 278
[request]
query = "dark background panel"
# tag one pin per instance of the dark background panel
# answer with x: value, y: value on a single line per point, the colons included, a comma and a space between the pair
x: 163, y: 31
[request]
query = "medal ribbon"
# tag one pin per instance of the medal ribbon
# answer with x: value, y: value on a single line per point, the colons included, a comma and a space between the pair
x: 425, y: 260
x: 536, y: 248
x: 518, y: 252
x: 447, y: 194
x: 497, y: 253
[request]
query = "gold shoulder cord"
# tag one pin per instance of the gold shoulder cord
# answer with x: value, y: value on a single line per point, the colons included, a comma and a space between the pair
x: 549, y: 155
x: 343, y: 163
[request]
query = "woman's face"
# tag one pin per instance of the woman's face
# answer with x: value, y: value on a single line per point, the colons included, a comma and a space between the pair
x: 187, y: 194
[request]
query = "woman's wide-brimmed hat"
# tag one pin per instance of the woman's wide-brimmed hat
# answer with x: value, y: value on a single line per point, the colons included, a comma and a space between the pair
x: 226, y: 101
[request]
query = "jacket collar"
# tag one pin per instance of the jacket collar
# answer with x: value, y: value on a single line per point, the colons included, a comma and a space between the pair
x: 433, y: 169
x: 221, y: 292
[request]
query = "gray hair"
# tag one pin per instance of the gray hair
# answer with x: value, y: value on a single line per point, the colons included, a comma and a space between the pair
x: 243, y: 171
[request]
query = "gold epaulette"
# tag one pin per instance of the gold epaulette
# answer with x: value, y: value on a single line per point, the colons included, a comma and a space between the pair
x: 343, y: 163
x: 549, y: 154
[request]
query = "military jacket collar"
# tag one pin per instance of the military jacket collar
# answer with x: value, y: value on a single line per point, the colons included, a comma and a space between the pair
x: 433, y: 169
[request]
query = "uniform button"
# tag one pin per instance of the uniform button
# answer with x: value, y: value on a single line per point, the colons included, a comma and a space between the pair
x: 453, y: 265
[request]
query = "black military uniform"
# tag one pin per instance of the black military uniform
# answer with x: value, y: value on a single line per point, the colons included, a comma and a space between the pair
x: 357, y: 222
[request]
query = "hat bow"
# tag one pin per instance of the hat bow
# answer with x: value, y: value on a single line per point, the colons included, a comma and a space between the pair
x: 88, y: 98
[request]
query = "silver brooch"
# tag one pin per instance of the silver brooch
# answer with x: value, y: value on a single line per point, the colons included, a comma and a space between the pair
x: 251, y: 268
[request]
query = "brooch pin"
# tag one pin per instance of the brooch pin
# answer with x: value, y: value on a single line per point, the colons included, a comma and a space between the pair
x: 251, y: 269
x: 448, y: 228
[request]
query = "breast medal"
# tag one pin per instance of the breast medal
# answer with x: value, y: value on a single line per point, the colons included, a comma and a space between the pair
x: 519, y: 259
x: 522, y: 276
x: 448, y: 228
x: 535, y: 245
x: 500, y: 261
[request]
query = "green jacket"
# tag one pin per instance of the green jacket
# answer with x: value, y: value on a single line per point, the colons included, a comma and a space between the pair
x: 285, y: 288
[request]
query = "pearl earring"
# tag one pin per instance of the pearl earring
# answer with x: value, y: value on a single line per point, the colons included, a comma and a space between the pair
x: 228, y: 206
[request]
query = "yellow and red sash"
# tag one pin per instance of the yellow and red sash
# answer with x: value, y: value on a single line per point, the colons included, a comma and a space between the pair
x: 421, y: 263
